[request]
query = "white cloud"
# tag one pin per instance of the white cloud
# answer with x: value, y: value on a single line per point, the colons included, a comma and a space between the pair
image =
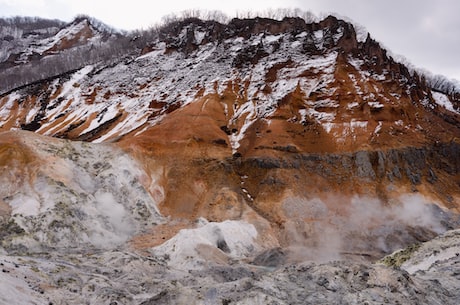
x: 24, y: 3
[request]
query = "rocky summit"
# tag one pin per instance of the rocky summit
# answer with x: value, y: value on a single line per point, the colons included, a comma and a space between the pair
x: 256, y: 161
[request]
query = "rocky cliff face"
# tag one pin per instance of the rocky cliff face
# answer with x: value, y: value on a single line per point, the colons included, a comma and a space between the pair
x: 231, y: 163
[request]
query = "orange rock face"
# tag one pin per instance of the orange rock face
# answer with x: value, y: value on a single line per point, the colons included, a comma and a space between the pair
x: 290, y: 126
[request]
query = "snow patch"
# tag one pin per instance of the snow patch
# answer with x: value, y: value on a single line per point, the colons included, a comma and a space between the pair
x: 199, y: 36
x: 318, y: 35
x: 5, y: 110
x: 443, y: 101
x: 355, y: 62
x: 358, y: 124
x: 328, y: 127
x: 249, y: 110
x: 109, y: 113
x: 272, y: 38
x: 319, y: 116
x: 352, y: 105
x: 302, y: 35
x: 69, y: 88
x: 375, y: 105
x: 155, y: 53
x: 342, y: 130
x: 378, y: 127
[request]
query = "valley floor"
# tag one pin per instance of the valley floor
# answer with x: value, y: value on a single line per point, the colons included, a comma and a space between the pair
x: 426, y: 274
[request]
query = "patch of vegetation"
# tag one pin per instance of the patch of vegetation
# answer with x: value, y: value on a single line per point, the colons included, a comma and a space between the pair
x: 398, y: 258
x: 10, y: 228
x: 35, y: 269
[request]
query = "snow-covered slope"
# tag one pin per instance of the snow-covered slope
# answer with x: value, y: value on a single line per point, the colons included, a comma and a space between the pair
x: 35, y: 50
x: 260, y: 70
x: 24, y: 46
x: 21, y: 33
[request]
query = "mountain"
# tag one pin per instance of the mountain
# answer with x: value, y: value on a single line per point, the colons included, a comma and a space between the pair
x: 34, y: 49
x: 25, y: 46
x: 258, y: 161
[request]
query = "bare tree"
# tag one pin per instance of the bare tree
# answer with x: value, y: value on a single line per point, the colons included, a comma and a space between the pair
x: 215, y: 16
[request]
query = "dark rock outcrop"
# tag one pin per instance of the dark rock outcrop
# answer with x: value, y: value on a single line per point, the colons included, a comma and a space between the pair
x: 437, y: 165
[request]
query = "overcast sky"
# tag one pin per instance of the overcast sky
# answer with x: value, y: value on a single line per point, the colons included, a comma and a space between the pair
x: 426, y: 32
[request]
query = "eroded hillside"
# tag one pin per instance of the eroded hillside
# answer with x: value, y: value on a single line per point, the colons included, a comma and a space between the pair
x: 225, y: 158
